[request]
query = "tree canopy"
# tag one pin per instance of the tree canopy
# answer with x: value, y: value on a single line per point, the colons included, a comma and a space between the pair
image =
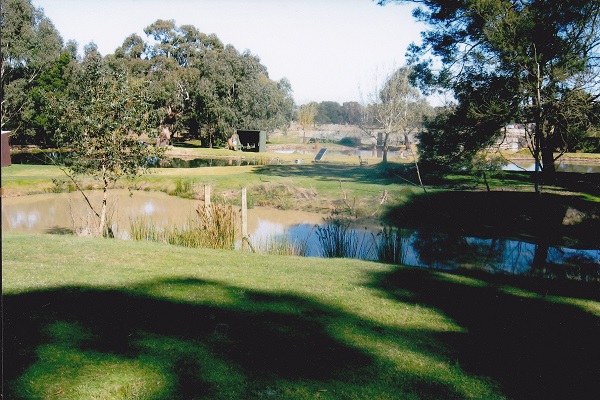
x: 534, y: 62
x: 202, y: 87
x: 198, y: 86
x: 30, y: 55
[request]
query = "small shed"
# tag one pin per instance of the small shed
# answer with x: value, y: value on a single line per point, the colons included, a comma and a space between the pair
x: 5, y: 149
x: 253, y: 141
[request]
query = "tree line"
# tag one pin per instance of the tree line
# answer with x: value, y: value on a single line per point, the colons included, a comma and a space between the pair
x: 180, y: 79
x: 530, y: 62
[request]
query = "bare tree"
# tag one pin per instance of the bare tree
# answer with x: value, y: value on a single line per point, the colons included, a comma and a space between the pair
x: 395, y: 111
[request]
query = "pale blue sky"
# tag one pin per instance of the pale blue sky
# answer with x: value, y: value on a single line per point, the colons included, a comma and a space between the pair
x: 330, y: 50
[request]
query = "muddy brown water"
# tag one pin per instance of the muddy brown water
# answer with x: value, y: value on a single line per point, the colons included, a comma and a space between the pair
x: 61, y: 212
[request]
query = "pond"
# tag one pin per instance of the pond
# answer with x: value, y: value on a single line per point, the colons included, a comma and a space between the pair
x: 254, y: 159
x: 50, y: 158
x: 58, y: 213
x: 576, y: 167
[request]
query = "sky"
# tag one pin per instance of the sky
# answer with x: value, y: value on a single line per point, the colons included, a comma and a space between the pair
x: 329, y: 50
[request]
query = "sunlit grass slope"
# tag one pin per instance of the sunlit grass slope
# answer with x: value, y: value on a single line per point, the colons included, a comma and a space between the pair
x: 109, y: 319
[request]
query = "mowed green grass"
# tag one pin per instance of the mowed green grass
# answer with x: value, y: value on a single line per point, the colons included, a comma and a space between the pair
x: 109, y: 319
x: 309, y: 187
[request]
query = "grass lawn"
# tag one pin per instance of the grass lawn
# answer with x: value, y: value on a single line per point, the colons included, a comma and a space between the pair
x: 309, y: 187
x: 110, y: 319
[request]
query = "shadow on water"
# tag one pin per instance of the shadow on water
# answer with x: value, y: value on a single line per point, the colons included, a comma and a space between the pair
x: 514, y: 329
x: 541, y: 219
x: 256, y: 340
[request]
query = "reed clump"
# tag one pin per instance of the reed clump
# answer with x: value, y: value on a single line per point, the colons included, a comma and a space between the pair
x: 338, y: 239
x: 214, y: 226
x: 281, y: 245
x: 183, y: 189
x: 389, y: 245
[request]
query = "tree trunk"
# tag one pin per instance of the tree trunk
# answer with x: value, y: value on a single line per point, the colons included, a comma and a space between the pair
x: 548, y: 166
x: 164, y: 138
x: 102, y: 224
x: 540, y: 257
x: 385, y: 140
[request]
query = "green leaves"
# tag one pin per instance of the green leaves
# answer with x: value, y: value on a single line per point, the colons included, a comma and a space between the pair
x: 511, y: 61
x: 103, y: 117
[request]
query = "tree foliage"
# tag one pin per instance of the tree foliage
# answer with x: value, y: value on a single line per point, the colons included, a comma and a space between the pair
x: 30, y: 46
x: 197, y: 86
x: 534, y: 62
x: 102, y: 116
x: 202, y: 87
x: 306, y: 116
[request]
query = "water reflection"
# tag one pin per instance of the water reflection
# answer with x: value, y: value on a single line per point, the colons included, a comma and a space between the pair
x: 47, y: 158
x: 44, y: 213
x: 59, y: 213
x: 499, y: 255
x: 580, y: 168
x: 450, y: 252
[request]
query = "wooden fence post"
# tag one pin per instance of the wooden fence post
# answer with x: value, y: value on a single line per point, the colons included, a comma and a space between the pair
x: 207, y: 196
x: 207, y: 205
x: 244, y: 220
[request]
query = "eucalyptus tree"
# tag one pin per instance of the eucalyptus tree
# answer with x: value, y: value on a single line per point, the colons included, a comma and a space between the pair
x: 233, y: 90
x: 395, y: 110
x: 169, y: 53
x: 352, y: 112
x: 102, y: 116
x: 330, y: 112
x: 260, y: 102
x: 265, y: 104
x: 529, y: 61
x: 306, y: 116
x: 30, y: 46
x: 202, y: 87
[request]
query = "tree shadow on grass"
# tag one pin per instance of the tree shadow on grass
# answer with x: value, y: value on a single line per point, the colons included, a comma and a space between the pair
x: 516, y: 331
x: 375, y: 174
x: 185, y: 339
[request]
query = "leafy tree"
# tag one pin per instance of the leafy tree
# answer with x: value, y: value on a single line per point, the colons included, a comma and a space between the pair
x: 133, y: 47
x: 30, y: 46
x: 101, y: 118
x: 329, y: 112
x: 306, y: 116
x: 49, y: 86
x: 352, y: 112
x: 202, y: 87
x: 532, y: 61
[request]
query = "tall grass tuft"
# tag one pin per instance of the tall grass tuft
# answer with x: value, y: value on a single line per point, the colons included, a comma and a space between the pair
x: 213, y: 227
x: 389, y: 246
x: 216, y: 226
x: 183, y: 189
x: 282, y: 246
x: 140, y: 229
x: 339, y: 240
